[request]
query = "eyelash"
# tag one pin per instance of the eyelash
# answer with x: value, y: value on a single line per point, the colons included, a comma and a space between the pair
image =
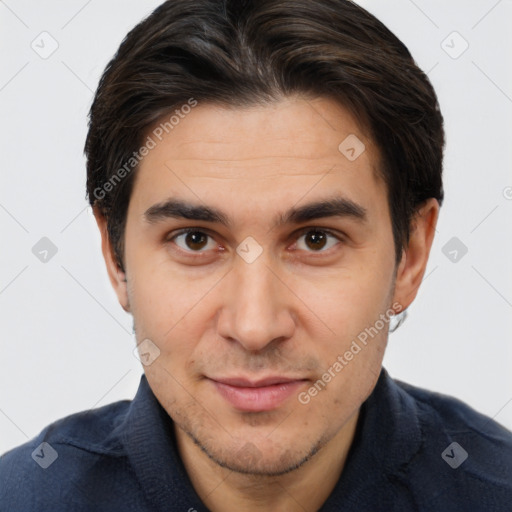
x: 206, y: 232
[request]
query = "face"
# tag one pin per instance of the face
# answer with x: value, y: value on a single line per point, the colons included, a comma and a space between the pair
x: 257, y: 252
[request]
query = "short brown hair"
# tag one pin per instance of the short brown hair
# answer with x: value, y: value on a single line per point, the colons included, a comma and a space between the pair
x: 249, y: 52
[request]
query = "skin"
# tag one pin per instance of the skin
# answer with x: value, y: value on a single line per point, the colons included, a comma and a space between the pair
x: 291, y: 312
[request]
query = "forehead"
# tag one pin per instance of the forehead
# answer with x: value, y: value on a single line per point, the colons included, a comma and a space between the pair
x: 269, y: 154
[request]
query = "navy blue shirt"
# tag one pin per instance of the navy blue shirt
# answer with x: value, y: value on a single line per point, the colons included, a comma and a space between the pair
x: 414, y: 450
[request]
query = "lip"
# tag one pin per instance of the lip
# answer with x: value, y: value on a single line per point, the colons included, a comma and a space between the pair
x: 257, y: 396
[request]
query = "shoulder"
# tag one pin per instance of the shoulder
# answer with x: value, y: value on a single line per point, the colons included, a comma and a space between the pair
x: 454, y: 417
x: 63, y: 452
x: 93, y: 430
x: 465, y: 456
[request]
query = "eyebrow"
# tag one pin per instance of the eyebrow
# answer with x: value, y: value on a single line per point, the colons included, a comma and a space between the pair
x: 333, y: 207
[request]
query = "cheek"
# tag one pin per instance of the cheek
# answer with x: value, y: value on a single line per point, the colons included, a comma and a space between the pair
x: 173, y: 310
x: 348, y: 301
x: 351, y: 355
x: 162, y: 294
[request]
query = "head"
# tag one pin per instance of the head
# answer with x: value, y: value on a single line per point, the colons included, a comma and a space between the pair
x: 301, y: 147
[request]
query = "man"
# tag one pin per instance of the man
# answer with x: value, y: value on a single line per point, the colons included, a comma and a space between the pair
x: 266, y: 178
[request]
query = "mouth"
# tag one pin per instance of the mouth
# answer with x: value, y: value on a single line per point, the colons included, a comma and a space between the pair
x: 247, y: 395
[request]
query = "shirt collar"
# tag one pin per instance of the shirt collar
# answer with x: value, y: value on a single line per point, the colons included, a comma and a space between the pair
x: 387, y: 437
x: 148, y: 437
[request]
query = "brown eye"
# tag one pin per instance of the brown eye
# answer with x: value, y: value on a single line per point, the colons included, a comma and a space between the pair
x: 195, y: 241
x: 316, y: 240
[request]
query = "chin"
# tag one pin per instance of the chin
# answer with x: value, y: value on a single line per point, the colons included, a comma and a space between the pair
x: 259, y: 457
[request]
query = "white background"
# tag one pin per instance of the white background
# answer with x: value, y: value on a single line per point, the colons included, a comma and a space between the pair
x: 66, y: 344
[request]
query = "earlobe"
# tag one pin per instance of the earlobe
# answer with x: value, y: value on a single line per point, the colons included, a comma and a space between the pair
x: 411, y: 268
x: 116, y: 275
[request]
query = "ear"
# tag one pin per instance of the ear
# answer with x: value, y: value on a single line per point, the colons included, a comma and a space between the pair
x: 415, y: 257
x: 116, y: 275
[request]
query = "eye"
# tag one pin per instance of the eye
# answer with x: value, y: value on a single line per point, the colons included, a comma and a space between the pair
x: 316, y: 240
x: 194, y: 241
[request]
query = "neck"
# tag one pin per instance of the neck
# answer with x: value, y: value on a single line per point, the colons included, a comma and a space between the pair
x: 305, y: 488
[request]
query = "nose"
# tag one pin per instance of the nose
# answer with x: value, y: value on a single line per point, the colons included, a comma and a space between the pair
x: 257, y: 307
